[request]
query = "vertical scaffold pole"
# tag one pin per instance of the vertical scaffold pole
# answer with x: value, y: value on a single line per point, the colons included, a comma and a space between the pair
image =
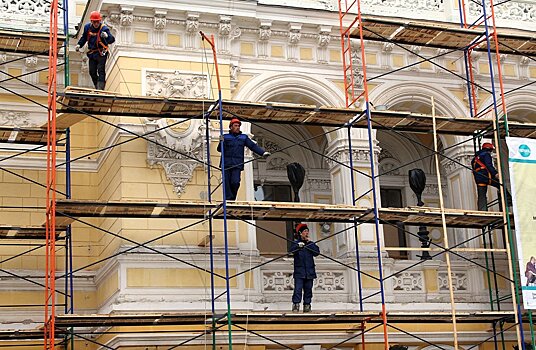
x: 444, y: 226
x: 473, y: 110
x: 210, y: 223
x: 69, y: 287
x: 210, y: 229
x: 516, y: 300
x: 50, y: 254
x: 66, y: 72
x: 224, y: 201
x: 351, y: 99
x: 356, y: 237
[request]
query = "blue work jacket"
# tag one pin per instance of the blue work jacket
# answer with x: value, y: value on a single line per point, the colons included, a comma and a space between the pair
x: 304, y: 264
x: 96, y: 45
x: 483, y: 170
x: 233, y: 150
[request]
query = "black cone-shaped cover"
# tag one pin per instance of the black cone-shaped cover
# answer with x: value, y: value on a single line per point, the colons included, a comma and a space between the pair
x: 417, y: 182
x: 296, y: 175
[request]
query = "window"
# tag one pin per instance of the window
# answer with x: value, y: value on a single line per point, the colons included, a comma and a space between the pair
x: 267, y: 243
x: 394, y: 236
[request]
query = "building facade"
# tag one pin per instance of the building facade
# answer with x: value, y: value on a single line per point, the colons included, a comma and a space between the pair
x: 284, y: 51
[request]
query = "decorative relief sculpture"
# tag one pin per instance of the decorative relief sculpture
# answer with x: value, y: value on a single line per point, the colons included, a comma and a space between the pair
x: 510, y: 10
x: 19, y: 119
x: 224, y: 27
x: 342, y: 156
x: 279, y: 281
x: 265, y: 33
x: 30, y: 61
x: 324, y: 38
x: 459, y: 281
x: 176, y: 152
x: 409, y: 282
x: 192, y: 30
x: 160, y: 20
x: 182, y: 144
x: 26, y: 11
x: 159, y: 25
x: 388, y: 164
x: 357, y: 66
x: 224, y: 31
x: 234, y: 70
x: 176, y: 84
x: 294, y: 36
x: 319, y: 184
x: 126, y: 17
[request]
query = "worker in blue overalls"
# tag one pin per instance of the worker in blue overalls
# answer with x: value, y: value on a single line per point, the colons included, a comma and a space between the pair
x: 98, y: 38
x: 233, y: 157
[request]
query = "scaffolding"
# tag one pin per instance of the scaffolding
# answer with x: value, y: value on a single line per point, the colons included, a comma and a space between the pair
x: 75, y: 104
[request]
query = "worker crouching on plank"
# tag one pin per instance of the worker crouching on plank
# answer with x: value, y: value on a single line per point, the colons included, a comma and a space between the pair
x: 98, y: 38
x: 304, y: 251
x: 233, y: 157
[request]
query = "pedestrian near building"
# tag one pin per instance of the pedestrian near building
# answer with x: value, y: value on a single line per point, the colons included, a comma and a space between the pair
x: 304, y: 250
x: 234, y: 143
x: 485, y: 175
x: 98, y: 38
x: 530, y: 271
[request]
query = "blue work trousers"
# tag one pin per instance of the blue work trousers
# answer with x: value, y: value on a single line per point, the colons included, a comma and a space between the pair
x: 305, y: 285
x: 232, y: 183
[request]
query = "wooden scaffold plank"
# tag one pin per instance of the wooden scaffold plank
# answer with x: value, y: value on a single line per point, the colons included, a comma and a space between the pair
x: 275, y: 211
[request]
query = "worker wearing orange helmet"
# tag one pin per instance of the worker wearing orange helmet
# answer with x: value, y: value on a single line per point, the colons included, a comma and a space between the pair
x: 485, y: 174
x: 303, y: 250
x: 233, y: 156
x: 98, y: 37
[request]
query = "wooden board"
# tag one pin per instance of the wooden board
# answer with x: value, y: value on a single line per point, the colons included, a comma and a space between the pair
x: 200, y: 210
x: 517, y: 129
x: 415, y: 216
x: 442, y: 35
x: 94, y: 102
x: 26, y: 232
x: 276, y: 318
x: 33, y: 136
x: 27, y: 42
x: 276, y: 211
x: 446, y: 317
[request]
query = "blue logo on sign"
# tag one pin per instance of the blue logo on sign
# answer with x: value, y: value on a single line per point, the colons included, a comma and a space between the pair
x: 524, y: 150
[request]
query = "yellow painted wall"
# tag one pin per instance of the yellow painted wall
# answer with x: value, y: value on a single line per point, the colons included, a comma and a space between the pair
x: 175, y: 278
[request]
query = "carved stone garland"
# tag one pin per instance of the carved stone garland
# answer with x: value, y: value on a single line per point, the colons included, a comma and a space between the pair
x: 179, y: 146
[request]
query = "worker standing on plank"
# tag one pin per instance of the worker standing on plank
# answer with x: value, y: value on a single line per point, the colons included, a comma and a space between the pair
x: 233, y: 156
x: 98, y: 38
x: 486, y: 175
x: 304, y: 250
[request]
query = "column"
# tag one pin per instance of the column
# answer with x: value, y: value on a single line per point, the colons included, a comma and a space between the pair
x: 341, y: 181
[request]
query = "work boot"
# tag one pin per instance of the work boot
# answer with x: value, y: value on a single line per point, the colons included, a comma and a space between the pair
x: 306, y: 308
x: 295, y: 307
x: 100, y: 85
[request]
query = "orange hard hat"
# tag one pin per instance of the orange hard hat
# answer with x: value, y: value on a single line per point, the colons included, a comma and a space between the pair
x: 234, y: 121
x: 95, y: 16
x: 488, y: 145
x: 301, y: 227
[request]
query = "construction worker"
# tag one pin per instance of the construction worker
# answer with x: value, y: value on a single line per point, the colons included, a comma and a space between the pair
x: 485, y: 174
x: 98, y: 38
x: 304, y: 251
x: 233, y: 157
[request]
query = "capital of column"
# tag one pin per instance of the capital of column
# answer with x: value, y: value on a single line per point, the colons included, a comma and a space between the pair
x: 457, y: 158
